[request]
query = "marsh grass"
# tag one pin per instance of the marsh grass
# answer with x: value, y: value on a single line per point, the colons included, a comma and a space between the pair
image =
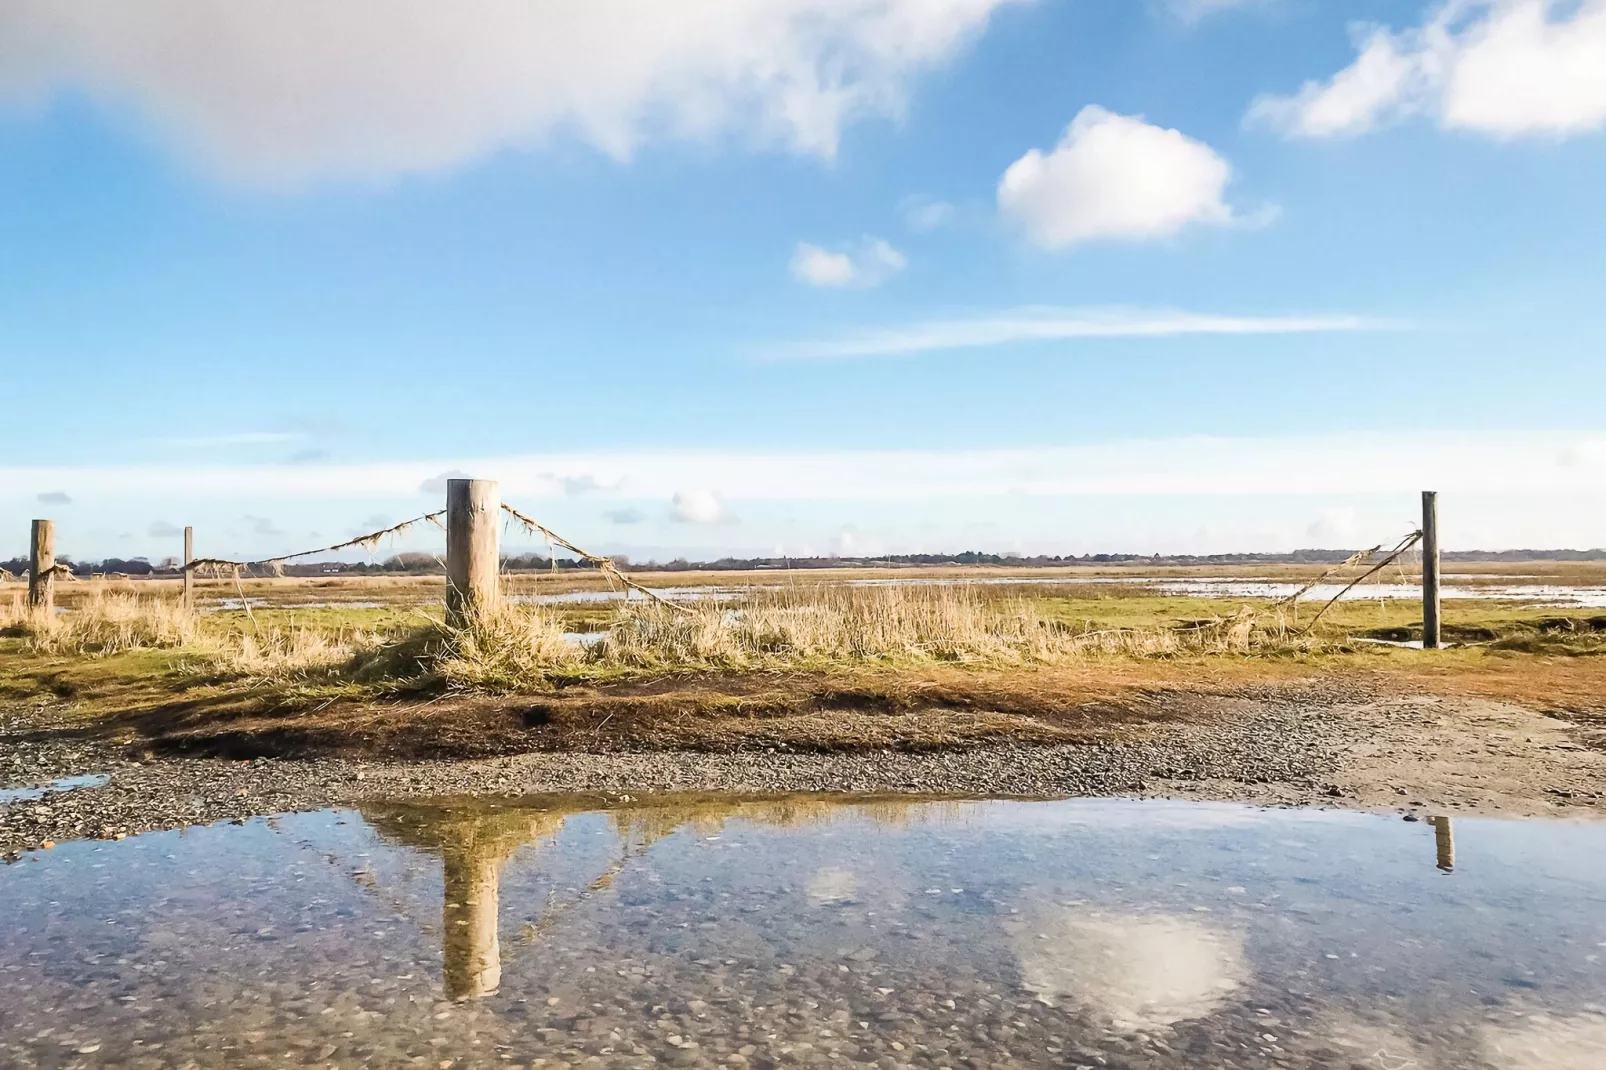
x: 104, y: 621
x: 818, y: 627
x: 525, y: 646
x: 809, y: 627
x: 292, y: 652
x: 514, y: 648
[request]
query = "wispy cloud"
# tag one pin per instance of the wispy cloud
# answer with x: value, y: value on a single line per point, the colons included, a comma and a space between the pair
x: 1502, y: 488
x: 1482, y: 461
x: 1050, y: 324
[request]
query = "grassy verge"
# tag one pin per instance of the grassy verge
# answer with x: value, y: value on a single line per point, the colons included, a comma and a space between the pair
x: 815, y: 666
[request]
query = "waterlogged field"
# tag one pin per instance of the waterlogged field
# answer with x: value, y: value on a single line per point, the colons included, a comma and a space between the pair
x: 787, y: 932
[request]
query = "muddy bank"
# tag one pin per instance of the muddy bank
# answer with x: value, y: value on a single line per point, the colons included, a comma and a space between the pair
x: 1312, y: 745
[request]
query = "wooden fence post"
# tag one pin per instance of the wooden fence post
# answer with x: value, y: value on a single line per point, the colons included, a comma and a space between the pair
x: 41, y: 560
x: 189, y: 575
x: 1430, y: 570
x: 473, y: 526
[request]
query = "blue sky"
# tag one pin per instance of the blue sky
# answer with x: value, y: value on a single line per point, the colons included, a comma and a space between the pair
x: 808, y: 276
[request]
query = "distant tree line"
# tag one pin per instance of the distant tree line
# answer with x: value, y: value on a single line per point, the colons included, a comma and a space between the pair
x: 431, y: 564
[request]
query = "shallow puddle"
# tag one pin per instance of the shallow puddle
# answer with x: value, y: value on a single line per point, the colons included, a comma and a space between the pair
x: 66, y: 783
x: 787, y: 932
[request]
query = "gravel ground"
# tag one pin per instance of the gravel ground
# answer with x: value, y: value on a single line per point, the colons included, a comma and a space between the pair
x: 1322, y: 745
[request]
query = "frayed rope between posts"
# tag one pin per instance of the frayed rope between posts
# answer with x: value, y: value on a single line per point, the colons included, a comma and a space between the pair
x: 1403, y: 545
x: 64, y: 571
x: 609, y: 569
x: 369, y: 542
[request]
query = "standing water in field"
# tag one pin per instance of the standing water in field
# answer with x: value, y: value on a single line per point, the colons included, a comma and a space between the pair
x: 798, y: 931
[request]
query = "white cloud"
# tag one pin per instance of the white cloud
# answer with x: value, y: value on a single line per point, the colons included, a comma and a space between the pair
x: 1353, y: 102
x: 1498, y: 67
x: 821, y: 267
x: 870, y: 263
x: 1047, y: 324
x: 921, y: 214
x: 696, y: 507
x: 283, y: 92
x: 1114, y: 177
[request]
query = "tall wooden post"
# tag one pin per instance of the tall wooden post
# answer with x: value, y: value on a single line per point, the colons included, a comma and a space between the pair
x: 1430, y: 570
x: 189, y: 575
x: 473, y: 525
x: 41, y: 560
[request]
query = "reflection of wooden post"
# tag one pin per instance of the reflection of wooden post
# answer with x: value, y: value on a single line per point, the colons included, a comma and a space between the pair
x: 1430, y: 570
x: 1444, y: 841
x: 41, y: 560
x: 473, y: 955
x: 189, y: 576
x: 473, y: 521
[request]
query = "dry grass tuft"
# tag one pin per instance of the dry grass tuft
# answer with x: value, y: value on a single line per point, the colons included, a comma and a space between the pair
x: 513, y: 648
x: 292, y: 653
x: 102, y: 622
x: 858, y: 624
x: 524, y: 648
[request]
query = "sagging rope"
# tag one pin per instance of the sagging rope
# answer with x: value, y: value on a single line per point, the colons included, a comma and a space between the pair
x: 1404, y: 544
x: 64, y: 571
x: 1349, y: 562
x: 609, y: 569
x: 369, y: 542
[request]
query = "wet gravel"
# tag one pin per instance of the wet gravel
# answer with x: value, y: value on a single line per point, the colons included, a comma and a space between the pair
x: 1272, y: 748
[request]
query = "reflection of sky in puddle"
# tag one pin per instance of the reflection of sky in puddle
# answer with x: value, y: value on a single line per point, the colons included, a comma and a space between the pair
x: 806, y: 930
x: 66, y: 783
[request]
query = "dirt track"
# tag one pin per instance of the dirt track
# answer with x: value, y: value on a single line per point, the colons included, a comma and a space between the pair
x: 1313, y: 744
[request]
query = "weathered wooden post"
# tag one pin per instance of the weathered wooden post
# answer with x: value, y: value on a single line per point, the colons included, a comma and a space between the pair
x: 473, y: 524
x: 1430, y: 570
x: 189, y: 574
x: 41, y: 566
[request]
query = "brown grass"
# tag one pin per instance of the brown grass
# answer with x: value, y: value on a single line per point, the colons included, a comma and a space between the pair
x: 103, y: 622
